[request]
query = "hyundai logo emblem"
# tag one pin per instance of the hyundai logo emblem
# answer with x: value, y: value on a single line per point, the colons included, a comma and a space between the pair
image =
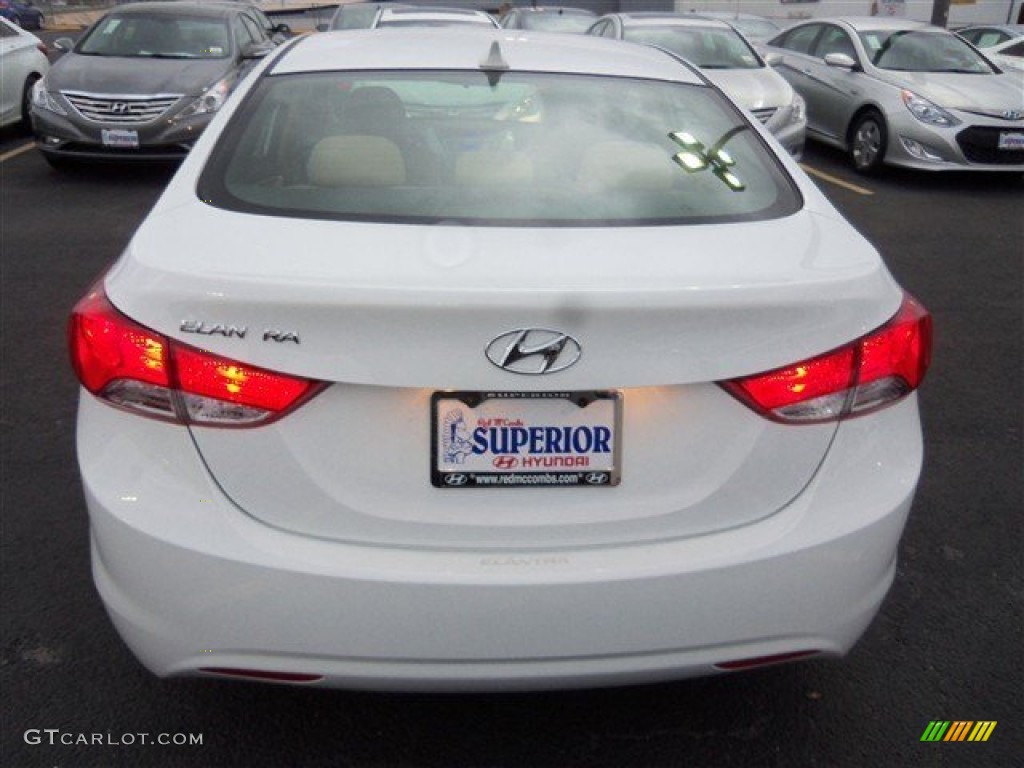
x: 1012, y: 114
x: 533, y: 351
x: 119, y: 108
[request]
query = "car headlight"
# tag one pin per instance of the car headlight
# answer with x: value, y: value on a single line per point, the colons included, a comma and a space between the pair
x: 927, y: 112
x: 41, y: 99
x: 797, y: 109
x: 210, y: 100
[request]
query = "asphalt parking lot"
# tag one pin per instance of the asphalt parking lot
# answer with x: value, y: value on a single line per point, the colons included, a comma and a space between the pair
x: 946, y: 645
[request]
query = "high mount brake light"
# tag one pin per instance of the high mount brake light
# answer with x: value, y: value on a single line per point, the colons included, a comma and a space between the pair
x: 870, y: 373
x: 135, y: 368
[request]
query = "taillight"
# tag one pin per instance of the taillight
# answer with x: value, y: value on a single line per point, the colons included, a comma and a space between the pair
x: 865, y: 375
x: 135, y: 368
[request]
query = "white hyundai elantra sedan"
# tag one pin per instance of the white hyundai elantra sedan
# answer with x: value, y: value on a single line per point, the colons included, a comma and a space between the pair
x: 459, y: 360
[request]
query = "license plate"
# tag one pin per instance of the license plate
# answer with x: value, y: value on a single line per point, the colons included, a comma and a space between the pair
x: 1008, y: 140
x: 120, y: 138
x: 533, y: 439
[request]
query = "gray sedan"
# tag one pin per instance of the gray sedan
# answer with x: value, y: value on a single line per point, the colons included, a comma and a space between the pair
x: 144, y: 81
x: 904, y: 93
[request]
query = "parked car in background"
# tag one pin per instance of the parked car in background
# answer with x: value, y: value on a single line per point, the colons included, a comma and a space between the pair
x: 356, y: 16
x: 905, y: 93
x: 757, y: 29
x: 557, y: 375
x: 726, y: 58
x: 552, y: 18
x: 23, y: 62
x: 990, y: 35
x: 1009, y: 55
x: 431, y: 16
x: 23, y: 14
x: 143, y: 82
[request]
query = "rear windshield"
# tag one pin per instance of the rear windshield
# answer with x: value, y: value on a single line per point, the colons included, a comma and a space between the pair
x: 516, y: 149
x: 158, y: 36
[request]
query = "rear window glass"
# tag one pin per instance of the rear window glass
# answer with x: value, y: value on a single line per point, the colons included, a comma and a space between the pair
x: 516, y: 149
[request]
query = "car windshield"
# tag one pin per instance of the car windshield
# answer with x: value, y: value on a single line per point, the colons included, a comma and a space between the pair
x: 355, y: 16
x: 708, y: 48
x: 755, y: 27
x: 558, y: 22
x: 516, y: 149
x: 157, y: 36
x: 914, y: 51
x: 436, y: 21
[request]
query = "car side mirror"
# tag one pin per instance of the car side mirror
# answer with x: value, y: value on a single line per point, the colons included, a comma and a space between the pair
x: 63, y: 44
x: 772, y: 59
x: 841, y: 61
x: 322, y: 27
x: 281, y: 29
x: 257, y: 50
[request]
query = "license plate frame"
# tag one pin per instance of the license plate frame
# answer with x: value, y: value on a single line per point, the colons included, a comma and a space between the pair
x: 119, y: 138
x: 526, y: 439
x: 1011, y: 140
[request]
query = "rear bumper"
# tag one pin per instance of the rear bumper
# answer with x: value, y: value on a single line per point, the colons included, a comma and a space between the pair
x: 192, y: 583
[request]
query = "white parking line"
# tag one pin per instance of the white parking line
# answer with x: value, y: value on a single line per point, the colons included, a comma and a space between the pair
x: 838, y: 182
x: 19, y: 151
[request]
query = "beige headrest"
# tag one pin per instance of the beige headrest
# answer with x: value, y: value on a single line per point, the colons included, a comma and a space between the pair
x: 490, y: 167
x: 367, y: 161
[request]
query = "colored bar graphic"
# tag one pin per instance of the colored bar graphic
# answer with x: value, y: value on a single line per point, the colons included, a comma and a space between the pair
x: 935, y: 731
x: 958, y: 730
x: 982, y: 730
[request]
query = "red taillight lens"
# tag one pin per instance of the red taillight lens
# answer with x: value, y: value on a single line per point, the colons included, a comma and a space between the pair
x: 867, y: 374
x: 130, y: 366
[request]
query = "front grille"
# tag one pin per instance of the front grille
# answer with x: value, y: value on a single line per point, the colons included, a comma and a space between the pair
x: 980, y: 144
x: 764, y: 115
x: 120, y: 110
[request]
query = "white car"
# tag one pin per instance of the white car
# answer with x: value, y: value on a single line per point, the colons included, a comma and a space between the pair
x: 432, y: 16
x: 1009, y: 56
x: 458, y: 359
x: 726, y: 57
x: 22, y: 62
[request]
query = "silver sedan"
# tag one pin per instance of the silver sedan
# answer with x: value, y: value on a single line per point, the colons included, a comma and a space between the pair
x: 904, y: 93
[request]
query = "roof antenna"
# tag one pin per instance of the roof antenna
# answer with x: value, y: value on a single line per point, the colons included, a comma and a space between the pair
x: 494, y: 65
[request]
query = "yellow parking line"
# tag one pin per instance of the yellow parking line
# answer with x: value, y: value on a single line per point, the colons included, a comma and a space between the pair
x: 838, y: 182
x: 19, y: 151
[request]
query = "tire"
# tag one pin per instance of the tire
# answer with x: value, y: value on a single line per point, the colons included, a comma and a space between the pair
x: 868, y: 141
x: 26, y: 101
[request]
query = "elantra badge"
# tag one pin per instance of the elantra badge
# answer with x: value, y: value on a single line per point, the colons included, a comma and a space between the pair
x: 533, y: 351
